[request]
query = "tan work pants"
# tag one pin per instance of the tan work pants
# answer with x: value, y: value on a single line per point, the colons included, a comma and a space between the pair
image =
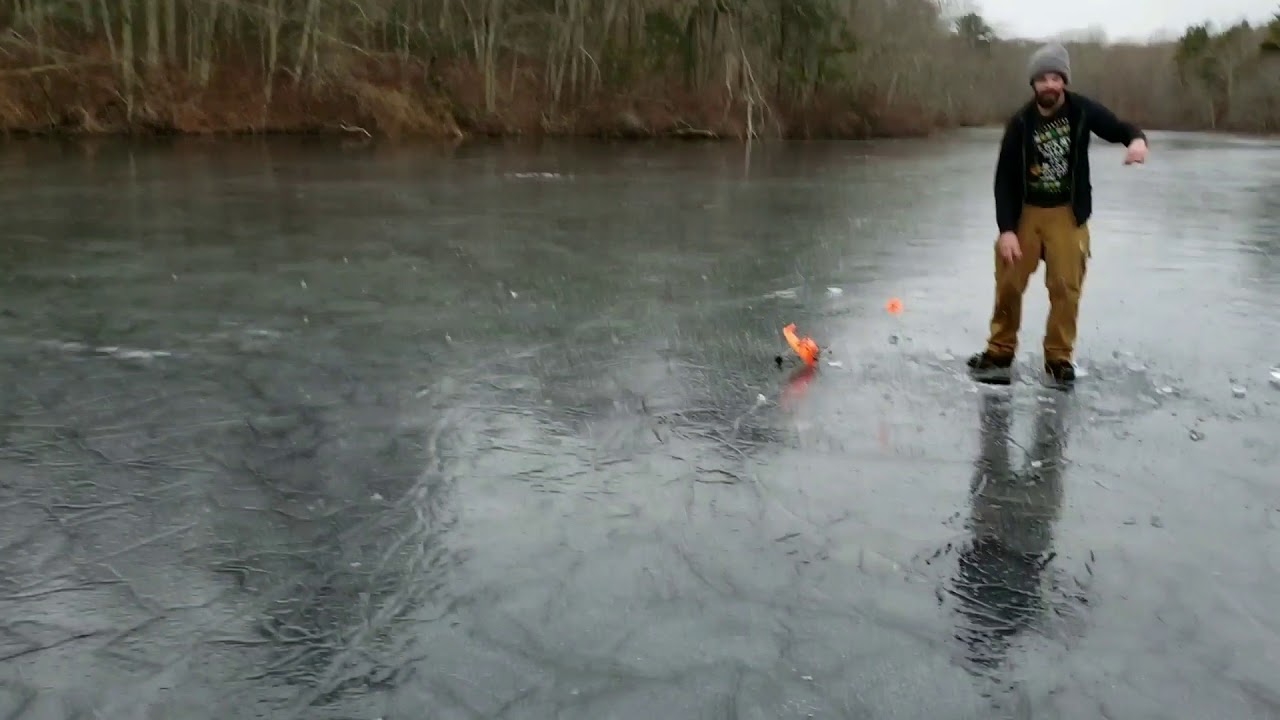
x: 1050, y: 234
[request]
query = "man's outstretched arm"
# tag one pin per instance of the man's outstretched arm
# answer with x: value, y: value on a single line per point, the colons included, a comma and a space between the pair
x: 1107, y: 126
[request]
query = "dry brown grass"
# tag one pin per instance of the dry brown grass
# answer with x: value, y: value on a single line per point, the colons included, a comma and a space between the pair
x: 383, y: 95
x: 88, y: 98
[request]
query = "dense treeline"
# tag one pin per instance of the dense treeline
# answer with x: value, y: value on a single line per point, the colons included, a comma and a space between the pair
x: 632, y: 67
x: 1227, y: 79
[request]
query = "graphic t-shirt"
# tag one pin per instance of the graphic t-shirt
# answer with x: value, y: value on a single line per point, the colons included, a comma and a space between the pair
x: 1047, y: 183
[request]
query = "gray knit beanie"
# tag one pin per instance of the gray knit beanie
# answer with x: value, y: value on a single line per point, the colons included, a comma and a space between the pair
x: 1050, y: 58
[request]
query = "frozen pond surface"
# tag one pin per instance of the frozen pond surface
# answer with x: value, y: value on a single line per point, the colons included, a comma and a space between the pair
x: 295, y: 431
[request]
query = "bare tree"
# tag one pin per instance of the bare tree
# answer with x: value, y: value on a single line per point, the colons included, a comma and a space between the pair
x: 730, y: 68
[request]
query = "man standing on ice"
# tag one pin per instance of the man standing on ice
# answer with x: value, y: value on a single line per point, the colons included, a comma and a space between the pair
x: 1043, y: 202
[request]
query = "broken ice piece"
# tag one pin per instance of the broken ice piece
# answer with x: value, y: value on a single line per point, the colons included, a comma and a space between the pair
x: 835, y: 291
x: 1196, y: 436
x: 1238, y: 391
x: 835, y: 363
x: 761, y: 399
x: 1275, y: 377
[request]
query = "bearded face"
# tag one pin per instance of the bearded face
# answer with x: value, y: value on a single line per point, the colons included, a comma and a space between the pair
x: 1049, y: 88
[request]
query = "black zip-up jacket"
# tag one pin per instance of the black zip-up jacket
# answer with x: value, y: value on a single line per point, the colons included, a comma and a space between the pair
x: 1087, y: 115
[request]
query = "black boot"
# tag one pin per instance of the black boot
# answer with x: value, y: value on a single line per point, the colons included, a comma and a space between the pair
x: 986, y: 367
x: 1063, y: 372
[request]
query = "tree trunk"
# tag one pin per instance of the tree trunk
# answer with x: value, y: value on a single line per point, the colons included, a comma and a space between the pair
x: 153, y: 33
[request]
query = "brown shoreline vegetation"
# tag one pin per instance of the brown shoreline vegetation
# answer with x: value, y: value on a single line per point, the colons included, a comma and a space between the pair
x: 604, y: 68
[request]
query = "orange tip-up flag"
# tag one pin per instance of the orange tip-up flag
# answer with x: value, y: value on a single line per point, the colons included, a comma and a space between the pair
x: 805, y: 347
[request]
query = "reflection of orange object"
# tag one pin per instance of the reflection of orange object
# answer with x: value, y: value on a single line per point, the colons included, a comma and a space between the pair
x: 797, y: 386
x: 805, y: 347
x: 894, y: 307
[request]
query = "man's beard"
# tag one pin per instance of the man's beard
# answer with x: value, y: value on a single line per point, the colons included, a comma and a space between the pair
x: 1048, y: 98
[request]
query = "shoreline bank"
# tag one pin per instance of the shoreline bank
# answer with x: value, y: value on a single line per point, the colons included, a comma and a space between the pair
x: 447, y: 102
x: 387, y: 98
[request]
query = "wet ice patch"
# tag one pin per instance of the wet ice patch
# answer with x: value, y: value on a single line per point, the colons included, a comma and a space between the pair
x: 132, y: 354
x: 535, y: 175
x: 784, y: 294
x: 1129, y: 361
x: 241, y: 339
x: 120, y: 353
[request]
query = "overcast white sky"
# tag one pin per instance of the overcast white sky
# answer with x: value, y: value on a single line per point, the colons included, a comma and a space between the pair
x: 1120, y: 19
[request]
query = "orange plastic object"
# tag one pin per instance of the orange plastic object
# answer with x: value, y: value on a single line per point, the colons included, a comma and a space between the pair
x: 894, y: 306
x: 805, y: 347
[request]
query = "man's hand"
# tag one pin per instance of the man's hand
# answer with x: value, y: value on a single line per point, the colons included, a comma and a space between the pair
x: 1137, y: 152
x: 1009, y: 248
